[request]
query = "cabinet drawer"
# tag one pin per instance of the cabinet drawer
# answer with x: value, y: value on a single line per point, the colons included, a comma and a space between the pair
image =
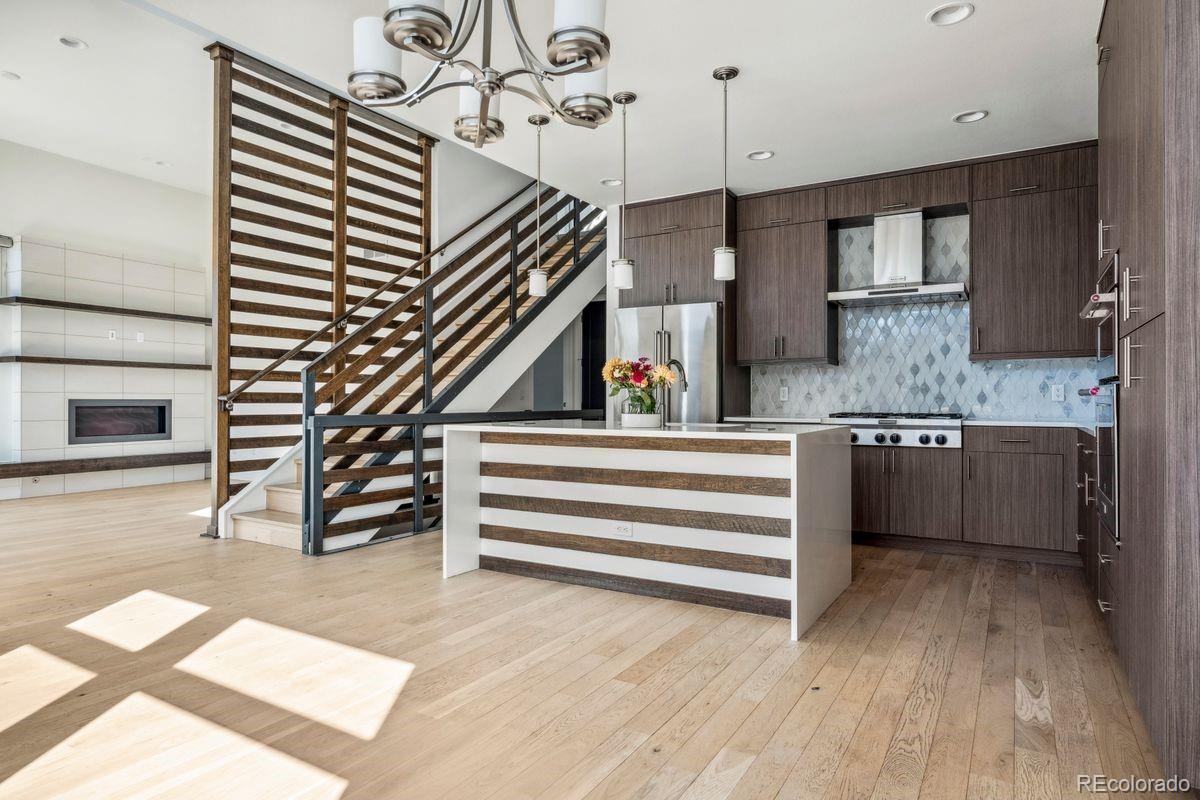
x: 1066, y: 169
x: 1015, y: 440
x: 942, y: 187
x: 784, y: 208
x: 667, y: 216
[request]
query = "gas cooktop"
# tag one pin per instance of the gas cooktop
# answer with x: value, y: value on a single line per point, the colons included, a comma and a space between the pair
x: 901, y: 429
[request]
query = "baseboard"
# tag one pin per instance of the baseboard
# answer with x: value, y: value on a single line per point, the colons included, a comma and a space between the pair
x: 734, y: 601
x: 976, y: 549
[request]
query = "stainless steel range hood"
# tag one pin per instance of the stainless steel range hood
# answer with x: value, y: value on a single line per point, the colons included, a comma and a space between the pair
x: 899, y: 267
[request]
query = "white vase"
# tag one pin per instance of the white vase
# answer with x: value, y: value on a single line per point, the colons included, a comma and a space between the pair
x: 641, y: 420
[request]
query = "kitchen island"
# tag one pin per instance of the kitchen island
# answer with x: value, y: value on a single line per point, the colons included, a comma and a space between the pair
x: 747, y: 517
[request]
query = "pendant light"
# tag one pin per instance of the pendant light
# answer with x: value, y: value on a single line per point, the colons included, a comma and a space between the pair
x: 538, y: 276
x: 724, y: 257
x: 622, y: 267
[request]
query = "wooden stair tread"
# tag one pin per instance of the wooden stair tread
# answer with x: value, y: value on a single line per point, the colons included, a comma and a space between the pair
x: 271, y: 516
x: 283, y: 487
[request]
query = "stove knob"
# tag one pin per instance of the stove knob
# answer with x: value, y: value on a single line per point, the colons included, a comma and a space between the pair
x: 895, y: 438
x: 923, y: 438
x: 880, y: 438
x: 853, y: 438
x: 940, y: 438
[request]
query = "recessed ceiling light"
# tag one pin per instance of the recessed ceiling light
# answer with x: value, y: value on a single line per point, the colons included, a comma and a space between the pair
x: 611, y: 182
x: 760, y: 155
x: 72, y: 42
x: 970, y: 116
x: 9, y: 76
x: 949, y: 14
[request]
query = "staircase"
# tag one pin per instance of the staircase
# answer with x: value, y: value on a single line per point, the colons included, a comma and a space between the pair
x: 372, y: 403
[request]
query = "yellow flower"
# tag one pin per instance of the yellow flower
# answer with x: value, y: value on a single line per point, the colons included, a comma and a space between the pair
x: 609, y: 366
x: 664, y: 375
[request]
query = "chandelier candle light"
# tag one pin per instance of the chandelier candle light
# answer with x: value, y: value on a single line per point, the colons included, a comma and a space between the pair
x: 538, y: 276
x: 724, y: 257
x: 577, y: 51
x: 622, y: 267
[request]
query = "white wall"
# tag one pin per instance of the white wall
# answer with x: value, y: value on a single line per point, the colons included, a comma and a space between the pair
x: 467, y: 184
x: 90, y: 235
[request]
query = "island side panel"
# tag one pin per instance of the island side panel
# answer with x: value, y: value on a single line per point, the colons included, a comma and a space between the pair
x: 705, y: 521
x: 460, y: 501
x: 821, y: 524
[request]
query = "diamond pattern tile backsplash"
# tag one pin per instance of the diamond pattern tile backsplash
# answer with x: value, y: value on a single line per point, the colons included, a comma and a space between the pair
x: 915, y: 357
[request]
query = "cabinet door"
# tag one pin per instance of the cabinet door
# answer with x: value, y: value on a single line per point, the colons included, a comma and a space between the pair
x: 1025, y: 276
x: 651, y: 271
x: 926, y: 493
x: 1047, y: 172
x: 806, y: 322
x: 870, y: 480
x: 1013, y: 499
x: 1144, y: 554
x: 692, y: 266
x: 783, y: 208
x: 757, y: 328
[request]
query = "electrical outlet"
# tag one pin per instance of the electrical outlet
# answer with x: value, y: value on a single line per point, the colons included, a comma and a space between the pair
x: 783, y: 394
x: 112, y: 334
x: 623, y: 529
x: 1057, y: 393
x: 141, y: 337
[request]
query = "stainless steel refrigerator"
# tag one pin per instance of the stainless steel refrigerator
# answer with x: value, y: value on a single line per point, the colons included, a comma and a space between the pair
x: 691, y: 334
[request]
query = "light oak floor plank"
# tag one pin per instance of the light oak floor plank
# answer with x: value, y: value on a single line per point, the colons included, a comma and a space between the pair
x: 942, y: 677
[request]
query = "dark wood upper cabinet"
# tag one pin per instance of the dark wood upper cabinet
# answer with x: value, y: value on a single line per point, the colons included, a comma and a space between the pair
x: 941, y: 187
x: 1014, y: 499
x: 926, y: 493
x: 1029, y: 276
x: 783, y: 208
x: 1046, y: 172
x: 692, y: 278
x: 667, y: 216
x: 783, y: 278
x: 651, y: 273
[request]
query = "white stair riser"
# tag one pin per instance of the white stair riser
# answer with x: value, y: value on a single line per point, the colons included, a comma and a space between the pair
x: 283, y: 500
x: 267, y: 532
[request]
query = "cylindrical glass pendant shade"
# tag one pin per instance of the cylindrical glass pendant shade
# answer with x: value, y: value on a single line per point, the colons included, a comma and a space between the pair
x: 579, y: 13
x: 436, y: 5
x: 537, y: 282
x: 622, y: 273
x: 724, y: 263
x: 583, y: 83
x: 372, y: 52
x: 468, y: 98
x: 585, y: 96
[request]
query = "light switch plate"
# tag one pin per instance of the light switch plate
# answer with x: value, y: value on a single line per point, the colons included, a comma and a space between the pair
x: 623, y: 529
x: 1057, y: 393
x: 112, y: 334
x: 783, y: 394
x: 141, y: 337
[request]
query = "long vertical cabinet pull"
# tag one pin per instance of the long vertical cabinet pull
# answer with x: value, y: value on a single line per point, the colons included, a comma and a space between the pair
x: 1129, y: 348
x: 893, y: 461
x: 1127, y: 281
x: 782, y: 345
x: 1102, y: 251
x: 968, y: 467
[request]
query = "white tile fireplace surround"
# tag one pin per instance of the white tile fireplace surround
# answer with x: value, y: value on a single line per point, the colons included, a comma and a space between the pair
x: 34, y: 396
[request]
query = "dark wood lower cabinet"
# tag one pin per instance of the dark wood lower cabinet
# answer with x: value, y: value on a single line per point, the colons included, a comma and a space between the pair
x: 907, y: 491
x: 1013, y: 499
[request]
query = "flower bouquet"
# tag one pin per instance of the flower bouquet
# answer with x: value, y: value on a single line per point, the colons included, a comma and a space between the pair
x: 641, y: 380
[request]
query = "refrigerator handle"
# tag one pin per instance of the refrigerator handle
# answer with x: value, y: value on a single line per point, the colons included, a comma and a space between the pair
x: 666, y: 390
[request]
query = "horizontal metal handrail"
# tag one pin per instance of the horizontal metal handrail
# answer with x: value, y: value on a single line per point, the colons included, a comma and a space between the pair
x: 340, y: 321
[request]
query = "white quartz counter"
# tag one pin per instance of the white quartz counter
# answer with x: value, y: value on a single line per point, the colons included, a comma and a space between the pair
x: 760, y: 429
x: 1083, y: 425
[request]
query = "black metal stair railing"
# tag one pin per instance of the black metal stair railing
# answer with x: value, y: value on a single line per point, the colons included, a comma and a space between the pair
x: 459, y: 317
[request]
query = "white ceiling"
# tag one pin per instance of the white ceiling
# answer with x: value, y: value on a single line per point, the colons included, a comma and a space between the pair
x: 837, y: 88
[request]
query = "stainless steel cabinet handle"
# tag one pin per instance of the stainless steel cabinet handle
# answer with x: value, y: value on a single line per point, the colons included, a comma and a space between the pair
x: 968, y: 468
x: 1014, y: 441
x: 1079, y: 537
x: 1103, y: 55
x: 666, y: 228
x: 895, y: 205
x: 1103, y: 251
x: 978, y: 337
x: 1025, y: 188
x: 1088, y: 480
x: 666, y: 292
x: 658, y: 357
x: 779, y: 221
x: 893, y: 461
x: 1104, y: 607
x: 783, y: 345
x: 1127, y: 281
x: 1105, y: 560
x: 674, y: 293
x: 1129, y: 376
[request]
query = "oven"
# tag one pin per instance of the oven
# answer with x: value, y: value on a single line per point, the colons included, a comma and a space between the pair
x: 1101, y: 309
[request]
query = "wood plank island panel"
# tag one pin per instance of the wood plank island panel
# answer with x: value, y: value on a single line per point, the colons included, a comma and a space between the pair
x: 677, y: 517
x: 696, y: 482
x: 693, y: 556
x: 688, y: 445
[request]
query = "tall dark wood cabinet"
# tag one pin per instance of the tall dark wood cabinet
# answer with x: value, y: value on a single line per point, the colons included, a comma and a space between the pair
x: 1032, y: 223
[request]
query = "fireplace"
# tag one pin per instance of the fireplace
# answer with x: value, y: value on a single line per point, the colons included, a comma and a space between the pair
x: 98, y: 421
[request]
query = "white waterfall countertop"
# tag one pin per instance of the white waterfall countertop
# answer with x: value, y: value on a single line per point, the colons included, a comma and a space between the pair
x: 765, y: 429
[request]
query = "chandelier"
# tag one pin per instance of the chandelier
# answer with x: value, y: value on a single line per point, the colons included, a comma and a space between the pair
x: 577, y: 51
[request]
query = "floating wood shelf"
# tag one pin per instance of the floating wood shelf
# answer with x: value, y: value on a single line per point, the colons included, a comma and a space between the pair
x: 70, y: 466
x: 125, y: 312
x: 99, y: 362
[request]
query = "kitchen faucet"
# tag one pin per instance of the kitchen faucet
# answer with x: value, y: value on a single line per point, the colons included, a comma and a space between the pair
x: 682, y: 373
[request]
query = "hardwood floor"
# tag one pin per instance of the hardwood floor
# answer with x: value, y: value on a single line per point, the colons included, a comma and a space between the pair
x: 933, y: 676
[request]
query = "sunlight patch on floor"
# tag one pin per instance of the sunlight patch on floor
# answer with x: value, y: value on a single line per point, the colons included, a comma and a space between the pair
x: 31, y: 679
x: 143, y: 747
x: 346, y: 688
x: 205, y: 512
x: 139, y: 620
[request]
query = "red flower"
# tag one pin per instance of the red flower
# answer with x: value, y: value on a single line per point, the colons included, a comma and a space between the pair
x: 638, y: 377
